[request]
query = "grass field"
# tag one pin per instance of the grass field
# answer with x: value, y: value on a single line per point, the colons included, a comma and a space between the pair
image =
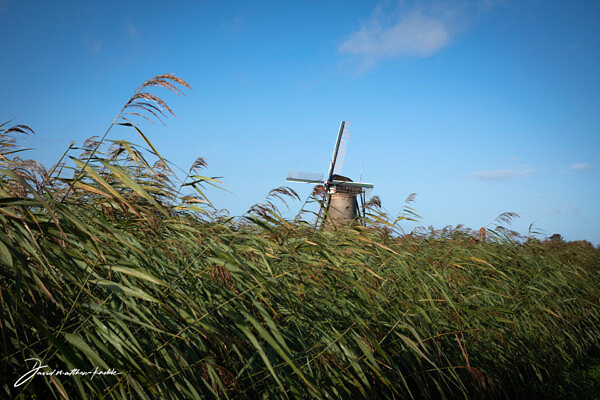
x: 109, y: 260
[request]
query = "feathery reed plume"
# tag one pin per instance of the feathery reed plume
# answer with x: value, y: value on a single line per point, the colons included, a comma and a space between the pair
x: 154, y: 106
x: 8, y: 140
x: 267, y: 206
x: 374, y: 201
x: 507, y: 217
x: 197, y: 165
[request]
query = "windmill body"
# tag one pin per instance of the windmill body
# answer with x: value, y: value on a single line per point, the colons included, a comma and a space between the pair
x: 340, y: 206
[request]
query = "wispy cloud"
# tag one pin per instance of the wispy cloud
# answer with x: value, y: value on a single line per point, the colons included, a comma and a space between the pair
x: 399, y: 30
x: 93, y: 47
x: 131, y: 30
x: 570, y: 209
x: 580, y: 167
x: 502, y: 174
x: 571, y: 49
x: 233, y: 24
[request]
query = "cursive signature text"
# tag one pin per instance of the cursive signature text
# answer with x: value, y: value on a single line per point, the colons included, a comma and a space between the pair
x: 37, y: 370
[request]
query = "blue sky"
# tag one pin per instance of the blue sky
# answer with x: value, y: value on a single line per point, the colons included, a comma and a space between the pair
x: 479, y: 107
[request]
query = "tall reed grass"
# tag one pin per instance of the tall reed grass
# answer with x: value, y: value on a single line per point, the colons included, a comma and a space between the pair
x: 113, y: 261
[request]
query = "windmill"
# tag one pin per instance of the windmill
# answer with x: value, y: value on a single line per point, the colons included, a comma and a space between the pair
x: 340, y: 202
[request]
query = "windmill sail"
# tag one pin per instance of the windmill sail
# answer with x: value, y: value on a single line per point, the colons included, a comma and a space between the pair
x: 339, y: 163
x: 353, y: 184
x: 335, y: 152
x: 304, y: 177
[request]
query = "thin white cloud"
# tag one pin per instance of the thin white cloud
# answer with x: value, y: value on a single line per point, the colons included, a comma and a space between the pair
x: 580, y: 167
x: 417, y: 30
x: 93, y: 47
x: 570, y: 209
x: 494, y: 174
x: 502, y: 174
x: 571, y: 49
x: 131, y: 30
x: 412, y: 35
x: 233, y: 24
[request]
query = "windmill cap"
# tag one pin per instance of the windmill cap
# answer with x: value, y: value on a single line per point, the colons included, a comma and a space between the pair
x: 341, y: 178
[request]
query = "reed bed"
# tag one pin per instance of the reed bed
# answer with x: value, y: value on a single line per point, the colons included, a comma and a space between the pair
x: 110, y: 260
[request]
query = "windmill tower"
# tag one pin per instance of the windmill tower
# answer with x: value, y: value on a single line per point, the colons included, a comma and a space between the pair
x: 340, y: 207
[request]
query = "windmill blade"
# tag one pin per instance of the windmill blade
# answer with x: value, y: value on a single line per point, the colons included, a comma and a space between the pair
x: 353, y: 184
x: 302, y: 180
x: 342, y: 150
x: 335, y: 152
x: 304, y: 177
